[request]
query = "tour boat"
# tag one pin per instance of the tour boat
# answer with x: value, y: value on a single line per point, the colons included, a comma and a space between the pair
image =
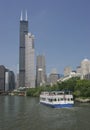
x: 57, y: 99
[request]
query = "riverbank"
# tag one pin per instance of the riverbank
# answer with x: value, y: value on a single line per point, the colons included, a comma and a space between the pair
x: 82, y: 100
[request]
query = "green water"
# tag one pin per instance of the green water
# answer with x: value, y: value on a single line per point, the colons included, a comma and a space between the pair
x: 25, y: 113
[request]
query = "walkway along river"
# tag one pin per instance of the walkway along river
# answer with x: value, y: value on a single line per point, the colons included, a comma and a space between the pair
x: 26, y: 113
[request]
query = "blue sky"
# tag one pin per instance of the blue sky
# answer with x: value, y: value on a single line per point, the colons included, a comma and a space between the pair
x: 61, y: 29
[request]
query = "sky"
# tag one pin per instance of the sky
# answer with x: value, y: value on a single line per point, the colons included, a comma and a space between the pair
x: 61, y: 29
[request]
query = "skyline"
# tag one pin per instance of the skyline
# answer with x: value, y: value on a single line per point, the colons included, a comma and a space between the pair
x: 61, y: 30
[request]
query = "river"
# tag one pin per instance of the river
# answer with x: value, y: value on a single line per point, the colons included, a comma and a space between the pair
x: 25, y: 113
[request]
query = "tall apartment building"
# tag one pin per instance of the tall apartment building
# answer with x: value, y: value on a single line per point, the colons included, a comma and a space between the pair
x: 67, y: 71
x: 7, y: 79
x: 40, y: 70
x: 78, y: 71
x: 23, y: 32
x: 29, y: 61
x: 53, y: 77
x: 85, y: 69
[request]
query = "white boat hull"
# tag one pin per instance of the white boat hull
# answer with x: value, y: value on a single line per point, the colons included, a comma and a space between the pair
x: 61, y: 105
x: 57, y: 99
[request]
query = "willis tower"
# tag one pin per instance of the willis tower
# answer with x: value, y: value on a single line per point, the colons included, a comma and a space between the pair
x: 23, y: 32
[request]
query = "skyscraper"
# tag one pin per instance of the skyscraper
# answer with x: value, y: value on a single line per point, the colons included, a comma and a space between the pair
x: 23, y: 32
x: 7, y: 79
x: 2, y: 77
x: 29, y: 61
x: 40, y: 70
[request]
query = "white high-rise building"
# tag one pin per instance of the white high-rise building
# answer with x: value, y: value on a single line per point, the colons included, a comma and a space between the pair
x: 85, y: 68
x: 7, y: 81
x: 29, y: 61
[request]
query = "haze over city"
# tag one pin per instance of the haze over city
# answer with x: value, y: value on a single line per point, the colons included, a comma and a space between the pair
x: 61, y: 29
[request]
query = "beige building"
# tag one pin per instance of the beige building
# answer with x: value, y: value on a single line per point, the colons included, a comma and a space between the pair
x: 67, y: 71
x: 40, y: 70
x: 85, y: 68
x: 53, y: 77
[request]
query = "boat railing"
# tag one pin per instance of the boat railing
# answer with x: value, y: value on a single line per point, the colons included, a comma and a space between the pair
x: 56, y: 93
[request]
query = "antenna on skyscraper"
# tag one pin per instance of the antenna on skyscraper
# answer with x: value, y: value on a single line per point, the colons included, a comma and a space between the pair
x: 26, y: 16
x: 21, y: 17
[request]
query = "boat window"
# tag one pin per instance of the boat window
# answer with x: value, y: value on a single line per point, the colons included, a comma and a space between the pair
x: 55, y: 99
x: 43, y: 99
x: 50, y: 100
x: 61, y: 99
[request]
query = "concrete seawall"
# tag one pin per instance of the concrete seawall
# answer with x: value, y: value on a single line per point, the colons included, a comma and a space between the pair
x: 82, y: 100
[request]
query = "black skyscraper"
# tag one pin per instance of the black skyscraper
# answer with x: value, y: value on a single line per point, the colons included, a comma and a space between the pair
x: 23, y: 32
x: 2, y: 78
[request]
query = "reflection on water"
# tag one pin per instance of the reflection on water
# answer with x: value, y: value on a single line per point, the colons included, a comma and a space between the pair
x: 25, y: 113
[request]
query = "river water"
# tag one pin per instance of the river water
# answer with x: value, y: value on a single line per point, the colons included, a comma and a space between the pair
x: 25, y: 113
